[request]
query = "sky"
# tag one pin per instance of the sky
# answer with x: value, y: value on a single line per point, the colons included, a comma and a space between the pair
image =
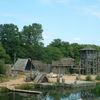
x: 74, y: 21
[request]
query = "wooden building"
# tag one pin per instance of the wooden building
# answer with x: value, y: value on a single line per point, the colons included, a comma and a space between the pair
x: 89, y: 61
x: 41, y: 66
x: 62, y: 66
x: 22, y: 65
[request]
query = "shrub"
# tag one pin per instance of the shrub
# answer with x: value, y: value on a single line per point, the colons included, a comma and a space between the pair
x: 25, y: 86
x: 88, y: 78
x: 97, y: 77
x: 4, y: 90
x: 2, y: 67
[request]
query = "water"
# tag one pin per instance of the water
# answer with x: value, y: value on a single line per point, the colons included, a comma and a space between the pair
x: 53, y: 95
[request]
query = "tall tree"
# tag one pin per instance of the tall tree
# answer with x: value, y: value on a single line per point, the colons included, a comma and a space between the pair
x: 32, y: 34
x: 9, y: 36
x: 52, y: 53
x: 56, y: 43
x: 3, y: 56
x: 32, y: 37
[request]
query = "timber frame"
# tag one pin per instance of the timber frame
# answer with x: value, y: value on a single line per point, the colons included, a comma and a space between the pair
x: 89, y: 61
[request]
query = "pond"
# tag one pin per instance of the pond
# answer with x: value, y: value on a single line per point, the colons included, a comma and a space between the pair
x: 58, y: 94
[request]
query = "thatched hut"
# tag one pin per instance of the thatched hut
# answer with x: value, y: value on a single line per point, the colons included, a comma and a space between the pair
x: 62, y: 66
x: 41, y: 66
x: 23, y: 65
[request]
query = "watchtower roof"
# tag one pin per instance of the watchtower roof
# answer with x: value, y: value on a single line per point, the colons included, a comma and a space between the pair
x: 88, y: 48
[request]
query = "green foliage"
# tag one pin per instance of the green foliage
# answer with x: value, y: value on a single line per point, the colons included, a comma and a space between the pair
x: 26, y: 86
x: 88, y: 78
x: 96, y: 90
x: 97, y: 77
x: 9, y: 37
x: 52, y: 53
x: 4, y: 90
x: 24, y: 44
x: 2, y: 67
x: 27, y: 43
x: 32, y: 34
x: 5, y: 57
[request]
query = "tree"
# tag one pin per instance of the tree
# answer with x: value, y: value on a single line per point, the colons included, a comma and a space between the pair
x: 52, y: 53
x: 2, y: 67
x: 3, y: 56
x: 62, y: 45
x: 9, y: 37
x: 56, y: 43
x: 32, y: 34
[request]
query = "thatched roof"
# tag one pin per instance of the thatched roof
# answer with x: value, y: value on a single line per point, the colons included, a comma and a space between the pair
x: 64, y: 62
x: 41, y: 66
x: 88, y: 48
x: 23, y: 64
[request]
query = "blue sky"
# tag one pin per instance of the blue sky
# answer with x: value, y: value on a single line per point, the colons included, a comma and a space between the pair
x: 70, y: 20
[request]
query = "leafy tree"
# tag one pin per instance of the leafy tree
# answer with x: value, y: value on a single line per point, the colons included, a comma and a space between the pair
x: 52, y: 53
x: 56, y: 43
x: 9, y: 36
x: 3, y: 56
x: 2, y: 67
x: 32, y: 34
x: 31, y: 41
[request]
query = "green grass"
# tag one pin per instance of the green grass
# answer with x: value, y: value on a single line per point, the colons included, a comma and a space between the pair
x: 4, y: 90
x: 4, y: 78
x: 88, y: 78
x: 97, y: 77
x: 25, y: 86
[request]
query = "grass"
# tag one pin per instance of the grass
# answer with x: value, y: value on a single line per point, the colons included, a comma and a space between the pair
x: 88, y: 78
x: 4, y: 78
x: 97, y: 77
x: 25, y: 86
x: 4, y: 90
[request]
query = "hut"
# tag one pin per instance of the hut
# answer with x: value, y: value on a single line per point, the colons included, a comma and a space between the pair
x: 22, y: 65
x: 62, y: 66
x: 89, y: 61
x: 41, y: 66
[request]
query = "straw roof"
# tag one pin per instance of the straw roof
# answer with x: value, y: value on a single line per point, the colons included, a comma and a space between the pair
x: 64, y: 62
x: 22, y: 65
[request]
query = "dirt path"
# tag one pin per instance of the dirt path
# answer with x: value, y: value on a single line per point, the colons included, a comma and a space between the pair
x: 13, y: 83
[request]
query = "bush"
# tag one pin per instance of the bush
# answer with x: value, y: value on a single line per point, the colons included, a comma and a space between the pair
x: 26, y: 86
x: 88, y: 78
x: 97, y: 77
x: 4, y: 90
x: 2, y: 67
x: 3, y: 78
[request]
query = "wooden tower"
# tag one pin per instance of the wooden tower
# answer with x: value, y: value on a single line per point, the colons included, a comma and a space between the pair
x: 89, y: 61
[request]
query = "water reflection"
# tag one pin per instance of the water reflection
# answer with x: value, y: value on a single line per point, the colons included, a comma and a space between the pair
x: 52, y: 95
x: 74, y: 95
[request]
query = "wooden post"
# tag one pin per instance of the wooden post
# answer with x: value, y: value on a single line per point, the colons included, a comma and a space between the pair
x: 58, y: 76
x: 31, y: 70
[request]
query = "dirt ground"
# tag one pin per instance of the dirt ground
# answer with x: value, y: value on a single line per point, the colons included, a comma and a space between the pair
x: 21, y: 80
x: 70, y: 78
x: 14, y: 82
